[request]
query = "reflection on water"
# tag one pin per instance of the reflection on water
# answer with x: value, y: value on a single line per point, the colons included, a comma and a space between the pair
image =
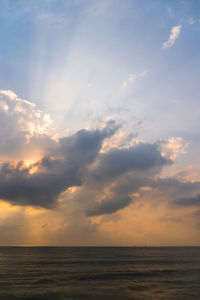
x: 99, y: 273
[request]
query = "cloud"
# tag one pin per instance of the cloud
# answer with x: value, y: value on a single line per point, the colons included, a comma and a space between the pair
x: 74, y: 171
x: 108, y: 206
x: 115, y: 178
x: 192, y: 21
x: 139, y: 157
x: 22, y: 126
x: 143, y: 186
x: 175, y: 32
x: 189, y: 201
x: 41, y: 183
x: 172, y: 188
x: 64, y: 168
x: 172, y: 147
x: 132, y: 78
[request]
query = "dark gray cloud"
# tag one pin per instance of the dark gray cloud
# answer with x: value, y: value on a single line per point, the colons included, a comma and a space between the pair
x: 68, y: 164
x: 188, y: 201
x: 175, y: 189
x: 140, y: 157
x: 107, y: 180
x: 108, y: 206
x: 65, y: 168
x: 120, y: 173
x: 162, y: 189
x: 117, y: 194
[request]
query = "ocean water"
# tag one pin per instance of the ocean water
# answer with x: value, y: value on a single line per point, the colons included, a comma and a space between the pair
x: 99, y: 273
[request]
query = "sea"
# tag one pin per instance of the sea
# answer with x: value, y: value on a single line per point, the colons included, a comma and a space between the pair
x: 76, y: 273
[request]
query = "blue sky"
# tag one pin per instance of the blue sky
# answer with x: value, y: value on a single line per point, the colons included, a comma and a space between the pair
x: 82, y: 51
x: 86, y: 63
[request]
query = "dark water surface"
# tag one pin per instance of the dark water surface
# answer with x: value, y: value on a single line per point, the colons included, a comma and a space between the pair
x: 99, y: 273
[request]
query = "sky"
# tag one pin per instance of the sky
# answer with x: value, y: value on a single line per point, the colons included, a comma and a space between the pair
x: 99, y: 122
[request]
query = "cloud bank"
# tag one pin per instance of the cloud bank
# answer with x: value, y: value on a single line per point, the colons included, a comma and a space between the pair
x: 74, y: 169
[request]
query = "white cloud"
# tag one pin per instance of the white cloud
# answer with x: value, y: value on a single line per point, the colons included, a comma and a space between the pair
x: 172, y: 147
x: 20, y: 122
x: 23, y: 114
x: 175, y: 32
x: 132, y: 78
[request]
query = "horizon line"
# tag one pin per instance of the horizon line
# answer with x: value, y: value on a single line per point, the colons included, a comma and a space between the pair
x: 95, y: 246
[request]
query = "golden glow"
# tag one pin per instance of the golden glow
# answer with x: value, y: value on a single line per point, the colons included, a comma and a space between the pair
x: 6, y: 207
x: 31, y: 164
x: 31, y: 211
x: 133, y: 226
x: 96, y: 219
x: 73, y: 189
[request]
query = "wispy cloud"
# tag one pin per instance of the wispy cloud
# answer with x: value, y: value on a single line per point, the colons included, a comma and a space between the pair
x: 174, y: 34
x: 133, y: 77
